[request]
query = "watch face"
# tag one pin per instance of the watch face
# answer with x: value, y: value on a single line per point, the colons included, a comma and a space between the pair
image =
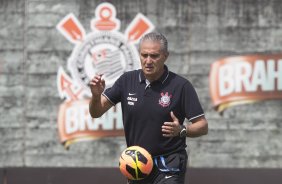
x: 183, y: 132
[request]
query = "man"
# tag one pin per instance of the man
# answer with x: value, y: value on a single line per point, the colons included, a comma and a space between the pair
x: 155, y: 103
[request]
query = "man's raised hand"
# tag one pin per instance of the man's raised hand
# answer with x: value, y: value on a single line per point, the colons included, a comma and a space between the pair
x: 97, y: 85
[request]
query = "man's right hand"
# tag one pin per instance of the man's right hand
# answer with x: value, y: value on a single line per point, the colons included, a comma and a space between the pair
x: 97, y: 85
x: 98, y: 104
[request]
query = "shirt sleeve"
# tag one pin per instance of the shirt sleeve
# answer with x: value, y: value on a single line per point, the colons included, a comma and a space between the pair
x: 113, y: 94
x: 191, y: 104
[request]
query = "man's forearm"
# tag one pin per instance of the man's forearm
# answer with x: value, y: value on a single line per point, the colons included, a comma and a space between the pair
x: 197, y: 129
x: 98, y: 106
x: 95, y: 107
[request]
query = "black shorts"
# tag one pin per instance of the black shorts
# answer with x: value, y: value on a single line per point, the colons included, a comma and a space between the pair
x: 169, y: 169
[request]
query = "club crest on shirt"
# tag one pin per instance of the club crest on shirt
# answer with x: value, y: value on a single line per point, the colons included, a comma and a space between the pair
x: 164, y: 101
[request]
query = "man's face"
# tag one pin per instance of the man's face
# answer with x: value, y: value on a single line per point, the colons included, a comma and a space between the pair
x: 152, y: 59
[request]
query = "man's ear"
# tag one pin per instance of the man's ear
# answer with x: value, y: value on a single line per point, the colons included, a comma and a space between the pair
x: 166, y: 55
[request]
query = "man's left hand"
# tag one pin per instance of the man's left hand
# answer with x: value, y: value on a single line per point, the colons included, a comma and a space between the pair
x: 171, y: 129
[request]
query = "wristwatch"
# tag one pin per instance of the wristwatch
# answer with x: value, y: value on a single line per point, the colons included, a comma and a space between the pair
x: 183, y: 131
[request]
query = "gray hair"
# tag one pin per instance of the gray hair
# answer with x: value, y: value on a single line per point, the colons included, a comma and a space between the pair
x: 155, y: 37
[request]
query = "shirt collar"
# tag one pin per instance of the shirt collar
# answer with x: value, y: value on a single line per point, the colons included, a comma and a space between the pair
x: 162, y: 79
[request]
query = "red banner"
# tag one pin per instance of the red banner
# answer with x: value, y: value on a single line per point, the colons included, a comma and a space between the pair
x: 245, y: 79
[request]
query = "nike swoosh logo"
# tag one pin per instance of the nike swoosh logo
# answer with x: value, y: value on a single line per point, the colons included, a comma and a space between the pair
x: 166, y: 177
x: 130, y: 94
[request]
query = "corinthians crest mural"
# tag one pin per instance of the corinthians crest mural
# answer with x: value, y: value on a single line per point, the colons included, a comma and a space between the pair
x: 105, y: 51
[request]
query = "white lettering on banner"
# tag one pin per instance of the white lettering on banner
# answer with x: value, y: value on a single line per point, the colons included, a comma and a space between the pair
x: 78, y: 119
x: 109, y: 118
x: 242, y: 76
x: 71, y: 120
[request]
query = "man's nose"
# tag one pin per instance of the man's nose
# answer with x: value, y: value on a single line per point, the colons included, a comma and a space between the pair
x: 149, y: 59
